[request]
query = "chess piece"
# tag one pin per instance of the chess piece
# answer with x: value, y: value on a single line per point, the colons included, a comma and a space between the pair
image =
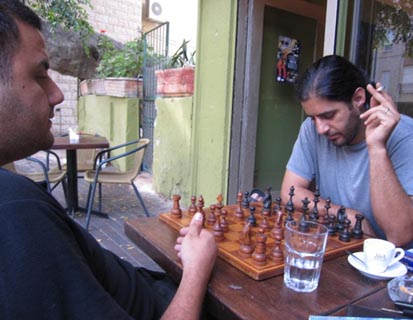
x: 211, y: 217
x: 267, y: 203
x: 251, y: 219
x: 357, y: 231
x: 200, y: 207
x: 314, y: 214
x: 192, y: 207
x: 176, y: 211
x: 217, y: 230
x: 245, y: 200
x: 264, y: 224
x: 341, y: 217
x: 246, y: 248
x: 303, y: 226
x: 277, y: 254
x: 289, y: 207
x: 345, y: 234
x: 239, y: 213
x: 332, y: 229
x: 224, y: 222
x: 258, y: 256
x: 324, y: 218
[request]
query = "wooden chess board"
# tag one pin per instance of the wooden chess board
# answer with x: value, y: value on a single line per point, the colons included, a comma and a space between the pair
x: 228, y: 249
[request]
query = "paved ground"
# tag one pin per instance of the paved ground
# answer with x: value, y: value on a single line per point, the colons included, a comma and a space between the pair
x: 120, y: 203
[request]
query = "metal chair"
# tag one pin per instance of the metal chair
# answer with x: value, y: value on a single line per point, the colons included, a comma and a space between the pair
x: 42, y: 172
x: 98, y: 175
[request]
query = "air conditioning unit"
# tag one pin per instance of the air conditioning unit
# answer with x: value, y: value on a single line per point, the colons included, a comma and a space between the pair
x: 156, y: 10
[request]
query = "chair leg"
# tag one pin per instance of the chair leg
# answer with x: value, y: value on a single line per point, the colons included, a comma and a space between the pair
x: 64, y: 187
x: 140, y: 199
x: 100, y: 197
x: 90, y: 198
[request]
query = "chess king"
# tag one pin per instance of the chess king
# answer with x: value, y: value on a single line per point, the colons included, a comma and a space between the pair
x: 356, y: 147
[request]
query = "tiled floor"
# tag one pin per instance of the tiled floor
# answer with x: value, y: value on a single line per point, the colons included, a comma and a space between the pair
x: 120, y: 203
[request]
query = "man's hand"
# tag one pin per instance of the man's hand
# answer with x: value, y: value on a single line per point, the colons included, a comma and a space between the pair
x: 381, y: 118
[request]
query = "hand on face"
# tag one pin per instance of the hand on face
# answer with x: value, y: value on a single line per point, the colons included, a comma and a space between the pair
x: 196, y: 247
x: 381, y: 118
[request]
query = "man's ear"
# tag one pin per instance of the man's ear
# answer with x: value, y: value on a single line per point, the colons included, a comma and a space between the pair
x: 359, y: 99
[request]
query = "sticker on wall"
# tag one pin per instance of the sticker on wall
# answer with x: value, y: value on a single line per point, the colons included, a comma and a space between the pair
x: 288, y: 55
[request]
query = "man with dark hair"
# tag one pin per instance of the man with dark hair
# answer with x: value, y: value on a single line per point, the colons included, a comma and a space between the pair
x: 50, y: 267
x: 356, y: 148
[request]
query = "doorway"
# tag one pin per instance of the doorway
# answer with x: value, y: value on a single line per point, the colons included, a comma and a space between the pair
x: 266, y: 115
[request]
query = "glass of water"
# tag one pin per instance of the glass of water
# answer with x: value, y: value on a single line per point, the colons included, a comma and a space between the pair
x: 305, y: 244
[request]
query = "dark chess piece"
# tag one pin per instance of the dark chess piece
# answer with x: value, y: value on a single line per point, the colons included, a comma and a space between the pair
x: 345, y: 234
x: 324, y: 218
x: 239, y: 213
x: 314, y: 214
x: 267, y: 203
x: 258, y: 256
x: 289, y: 207
x: 246, y: 248
x: 357, y: 231
x: 251, y: 219
x: 192, y: 207
x: 277, y: 206
x: 176, y: 211
x: 303, y: 226
x: 341, y: 217
x: 245, y: 200
x: 211, y: 217
x: 332, y: 228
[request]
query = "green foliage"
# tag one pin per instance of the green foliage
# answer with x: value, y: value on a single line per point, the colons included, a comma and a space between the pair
x: 71, y: 14
x: 180, y: 58
x: 394, y: 24
x: 124, y: 62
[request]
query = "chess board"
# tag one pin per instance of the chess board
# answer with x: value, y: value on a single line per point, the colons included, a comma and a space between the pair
x: 228, y: 248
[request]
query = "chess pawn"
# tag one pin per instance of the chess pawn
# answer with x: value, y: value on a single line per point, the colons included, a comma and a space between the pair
x: 277, y: 254
x: 192, y: 207
x: 251, y: 219
x: 217, y: 230
x: 324, y: 218
x: 211, y: 217
x: 264, y: 224
x: 239, y: 213
x: 258, y: 256
x: 245, y: 202
x: 219, y: 204
x: 345, y: 234
x: 332, y: 229
x: 176, y: 211
x: 277, y: 230
x: 357, y: 231
x: 224, y: 223
x: 245, y: 250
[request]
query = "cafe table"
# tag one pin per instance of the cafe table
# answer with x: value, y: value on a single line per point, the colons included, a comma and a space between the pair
x: 234, y: 295
x: 85, y: 142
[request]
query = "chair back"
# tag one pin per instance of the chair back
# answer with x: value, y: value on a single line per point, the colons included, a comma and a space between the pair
x: 138, y: 157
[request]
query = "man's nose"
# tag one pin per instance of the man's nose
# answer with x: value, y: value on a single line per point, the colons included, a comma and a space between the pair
x: 55, y: 94
x: 321, y: 126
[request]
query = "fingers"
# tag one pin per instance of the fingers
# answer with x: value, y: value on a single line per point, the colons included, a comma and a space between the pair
x: 195, y: 226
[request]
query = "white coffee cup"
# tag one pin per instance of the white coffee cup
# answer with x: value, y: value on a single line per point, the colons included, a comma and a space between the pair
x: 380, y: 254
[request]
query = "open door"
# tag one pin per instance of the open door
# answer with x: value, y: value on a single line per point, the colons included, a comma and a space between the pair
x: 266, y: 115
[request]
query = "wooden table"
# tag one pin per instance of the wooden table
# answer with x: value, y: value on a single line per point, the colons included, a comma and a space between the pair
x: 234, y: 295
x: 85, y: 142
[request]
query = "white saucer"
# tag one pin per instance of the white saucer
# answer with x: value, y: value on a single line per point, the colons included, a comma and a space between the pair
x: 396, y: 270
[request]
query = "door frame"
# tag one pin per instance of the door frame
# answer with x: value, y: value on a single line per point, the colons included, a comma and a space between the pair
x: 247, y: 83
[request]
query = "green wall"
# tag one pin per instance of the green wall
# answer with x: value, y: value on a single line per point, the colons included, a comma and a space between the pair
x: 213, y: 98
x: 171, y: 155
x: 280, y: 114
x: 117, y: 119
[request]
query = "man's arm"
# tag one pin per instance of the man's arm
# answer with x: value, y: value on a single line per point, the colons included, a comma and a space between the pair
x: 392, y: 207
x: 197, y: 249
x: 302, y: 190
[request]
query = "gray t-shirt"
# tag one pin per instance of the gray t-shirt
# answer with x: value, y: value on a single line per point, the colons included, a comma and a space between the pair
x: 342, y: 173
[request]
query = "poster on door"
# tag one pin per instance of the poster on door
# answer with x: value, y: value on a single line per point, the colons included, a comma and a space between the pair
x: 288, y: 55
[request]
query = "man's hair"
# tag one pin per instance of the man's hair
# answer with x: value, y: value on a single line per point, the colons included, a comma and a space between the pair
x: 332, y: 78
x: 9, y: 32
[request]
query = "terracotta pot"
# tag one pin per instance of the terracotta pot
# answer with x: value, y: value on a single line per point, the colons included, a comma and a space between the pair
x: 178, y: 82
x: 116, y: 87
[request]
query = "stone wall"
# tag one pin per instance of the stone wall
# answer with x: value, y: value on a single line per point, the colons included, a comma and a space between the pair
x: 121, y: 20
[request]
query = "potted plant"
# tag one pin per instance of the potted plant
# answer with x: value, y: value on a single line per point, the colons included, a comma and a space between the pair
x: 177, y: 79
x: 119, y: 71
